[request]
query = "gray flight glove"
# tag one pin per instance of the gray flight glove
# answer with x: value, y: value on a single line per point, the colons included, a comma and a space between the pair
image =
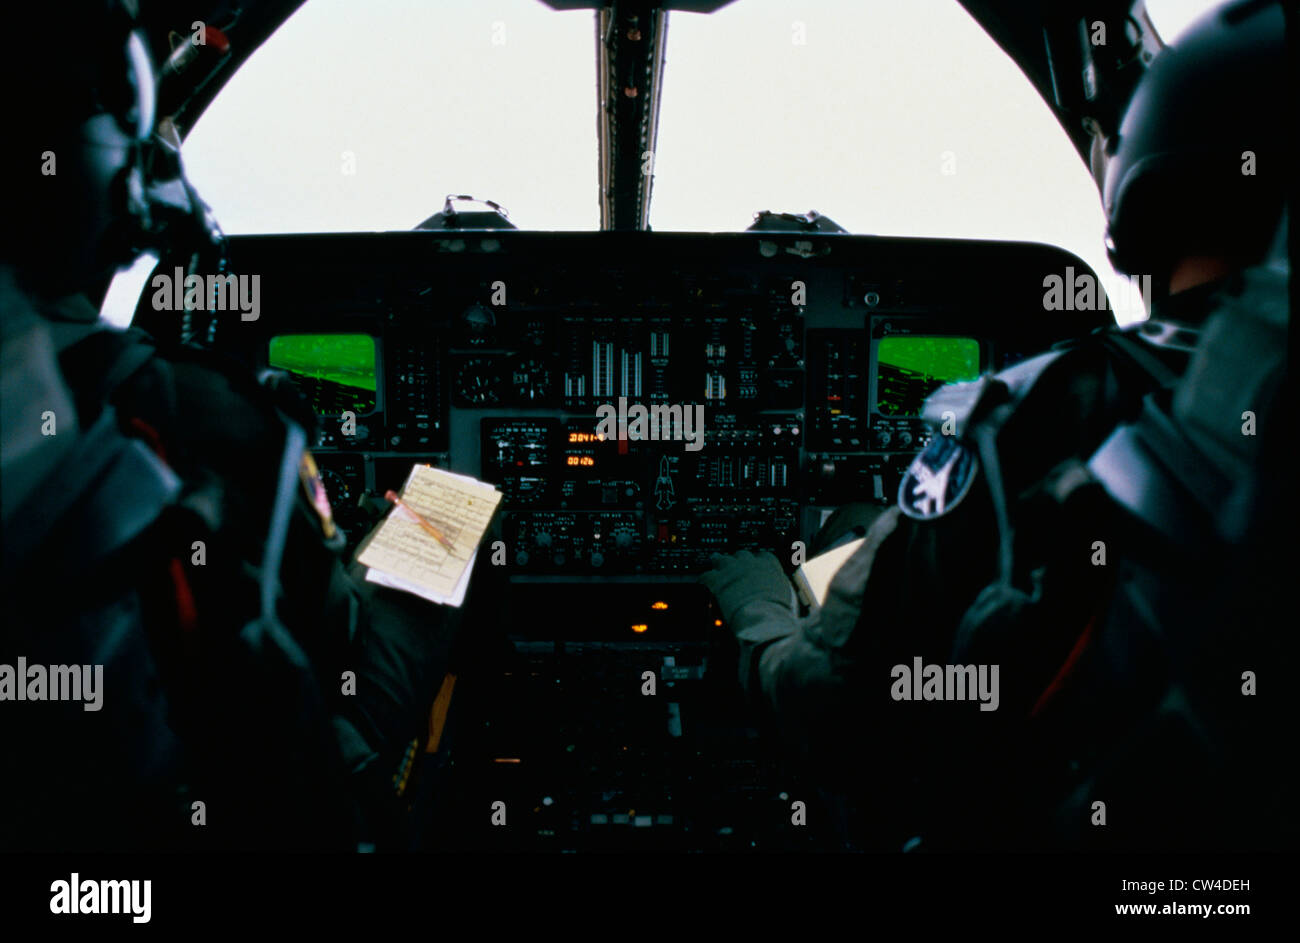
x: 745, y: 578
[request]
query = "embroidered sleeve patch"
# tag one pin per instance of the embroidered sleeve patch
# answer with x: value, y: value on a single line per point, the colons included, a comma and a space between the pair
x: 314, y: 488
x: 938, y: 479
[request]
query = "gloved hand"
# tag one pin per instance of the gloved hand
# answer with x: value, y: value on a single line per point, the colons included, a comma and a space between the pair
x: 744, y: 578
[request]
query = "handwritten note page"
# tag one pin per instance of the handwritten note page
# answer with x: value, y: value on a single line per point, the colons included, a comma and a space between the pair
x: 401, y: 553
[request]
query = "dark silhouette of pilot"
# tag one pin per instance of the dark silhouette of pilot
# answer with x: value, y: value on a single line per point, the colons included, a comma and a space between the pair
x: 165, y: 526
x: 1107, y: 537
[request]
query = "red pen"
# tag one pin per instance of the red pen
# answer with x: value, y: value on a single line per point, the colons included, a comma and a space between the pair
x: 433, y: 531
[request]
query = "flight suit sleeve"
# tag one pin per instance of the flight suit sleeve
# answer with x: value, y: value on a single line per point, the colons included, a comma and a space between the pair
x: 403, y: 648
x: 375, y: 653
x: 390, y: 643
x: 794, y: 668
x: 800, y: 675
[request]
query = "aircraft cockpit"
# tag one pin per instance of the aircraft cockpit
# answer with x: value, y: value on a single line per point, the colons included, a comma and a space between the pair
x: 642, y: 399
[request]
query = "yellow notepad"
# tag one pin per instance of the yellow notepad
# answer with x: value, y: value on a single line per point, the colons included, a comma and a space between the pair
x: 402, y: 554
x: 813, y: 578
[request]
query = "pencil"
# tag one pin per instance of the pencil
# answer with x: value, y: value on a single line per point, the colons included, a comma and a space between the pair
x: 433, y: 531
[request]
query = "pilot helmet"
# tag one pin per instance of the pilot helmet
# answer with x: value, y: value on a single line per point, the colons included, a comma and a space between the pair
x: 83, y: 162
x: 1198, y: 165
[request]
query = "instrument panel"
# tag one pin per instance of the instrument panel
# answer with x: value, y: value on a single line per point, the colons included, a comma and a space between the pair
x: 643, y: 400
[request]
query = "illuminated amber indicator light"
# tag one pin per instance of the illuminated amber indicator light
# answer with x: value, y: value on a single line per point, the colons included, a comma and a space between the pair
x: 639, y: 628
x: 659, y: 605
x: 717, y: 622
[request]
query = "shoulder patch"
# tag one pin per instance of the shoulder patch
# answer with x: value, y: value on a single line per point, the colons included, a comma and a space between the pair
x: 314, y: 488
x: 938, y: 479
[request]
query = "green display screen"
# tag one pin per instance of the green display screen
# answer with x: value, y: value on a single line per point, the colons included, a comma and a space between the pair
x: 909, y: 368
x: 335, y: 371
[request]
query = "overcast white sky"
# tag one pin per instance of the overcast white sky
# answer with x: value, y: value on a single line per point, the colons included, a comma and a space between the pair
x: 849, y: 108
